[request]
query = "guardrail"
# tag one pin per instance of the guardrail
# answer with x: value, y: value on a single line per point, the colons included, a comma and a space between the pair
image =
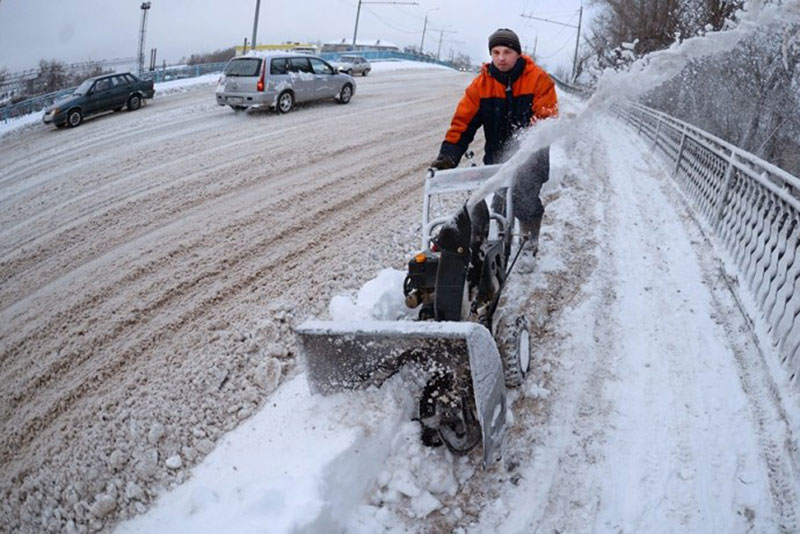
x: 383, y: 55
x: 40, y: 102
x: 753, y: 208
x: 576, y: 90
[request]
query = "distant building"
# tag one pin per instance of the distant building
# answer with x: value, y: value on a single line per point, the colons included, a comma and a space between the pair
x: 303, y: 48
x: 346, y: 45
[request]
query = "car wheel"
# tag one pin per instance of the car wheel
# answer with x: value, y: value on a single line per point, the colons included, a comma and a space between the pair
x: 346, y: 94
x: 134, y: 103
x: 238, y: 109
x: 285, y: 102
x: 74, y: 118
x: 365, y: 73
x: 349, y: 72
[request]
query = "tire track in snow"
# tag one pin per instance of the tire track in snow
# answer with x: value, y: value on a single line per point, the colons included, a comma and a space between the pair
x: 176, y: 291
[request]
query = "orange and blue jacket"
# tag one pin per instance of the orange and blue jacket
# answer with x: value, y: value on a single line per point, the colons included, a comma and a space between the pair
x: 502, y: 103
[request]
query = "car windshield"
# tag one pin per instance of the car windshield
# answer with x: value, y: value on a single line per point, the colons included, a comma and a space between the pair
x: 84, y: 87
x: 243, y: 67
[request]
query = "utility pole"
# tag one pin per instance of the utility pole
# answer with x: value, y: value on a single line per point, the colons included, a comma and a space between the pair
x: 577, y: 42
x: 577, y: 38
x: 255, y: 26
x: 441, y: 36
x: 145, y: 7
x: 424, y: 27
x: 358, y: 13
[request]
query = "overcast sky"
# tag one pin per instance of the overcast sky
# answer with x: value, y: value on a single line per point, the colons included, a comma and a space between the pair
x: 81, y: 30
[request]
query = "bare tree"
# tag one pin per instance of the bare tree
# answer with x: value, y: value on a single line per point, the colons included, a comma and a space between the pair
x: 52, y: 76
x: 218, y: 56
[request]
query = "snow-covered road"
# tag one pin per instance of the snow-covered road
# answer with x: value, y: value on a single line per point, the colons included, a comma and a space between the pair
x: 153, y: 263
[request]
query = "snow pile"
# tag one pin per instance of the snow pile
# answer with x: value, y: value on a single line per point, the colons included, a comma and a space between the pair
x: 300, y: 464
x: 306, y: 462
x: 380, y: 299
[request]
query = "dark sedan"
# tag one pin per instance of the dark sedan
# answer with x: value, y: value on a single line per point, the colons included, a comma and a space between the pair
x: 99, y: 94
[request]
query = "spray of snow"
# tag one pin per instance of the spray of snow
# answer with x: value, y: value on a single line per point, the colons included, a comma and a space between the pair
x: 644, y: 75
x: 380, y: 299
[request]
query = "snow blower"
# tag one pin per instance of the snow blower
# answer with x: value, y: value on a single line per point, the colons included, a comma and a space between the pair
x: 460, y: 348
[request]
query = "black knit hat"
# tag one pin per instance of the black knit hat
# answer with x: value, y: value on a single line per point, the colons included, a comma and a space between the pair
x: 505, y: 37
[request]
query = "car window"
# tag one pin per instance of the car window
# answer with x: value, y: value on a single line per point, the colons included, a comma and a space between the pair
x: 129, y: 78
x: 101, y: 85
x: 320, y: 67
x: 243, y: 67
x: 347, y: 59
x: 299, y: 64
x: 84, y: 87
x: 278, y: 66
x: 118, y: 81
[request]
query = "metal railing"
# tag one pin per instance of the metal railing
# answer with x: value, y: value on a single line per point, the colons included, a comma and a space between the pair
x: 753, y: 209
x: 384, y: 55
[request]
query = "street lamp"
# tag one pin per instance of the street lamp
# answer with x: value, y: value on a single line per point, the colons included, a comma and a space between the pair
x: 424, y: 27
x: 255, y: 26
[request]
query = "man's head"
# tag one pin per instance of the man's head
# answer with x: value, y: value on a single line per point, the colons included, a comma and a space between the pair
x: 505, y: 49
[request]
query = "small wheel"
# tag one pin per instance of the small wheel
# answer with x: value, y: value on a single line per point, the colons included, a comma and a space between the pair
x: 515, y: 350
x: 285, y: 102
x: 365, y: 73
x: 134, y: 103
x: 74, y: 118
x: 349, y: 72
x: 345, y: 94
x: 238, y: 109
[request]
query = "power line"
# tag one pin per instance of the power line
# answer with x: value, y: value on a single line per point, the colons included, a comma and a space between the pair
x: 395, y: 28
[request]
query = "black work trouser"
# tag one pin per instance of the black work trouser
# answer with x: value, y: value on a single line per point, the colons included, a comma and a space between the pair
x: 532, y: 174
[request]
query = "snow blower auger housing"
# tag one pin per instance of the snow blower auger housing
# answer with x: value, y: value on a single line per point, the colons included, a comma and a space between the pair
x: 458, y: 349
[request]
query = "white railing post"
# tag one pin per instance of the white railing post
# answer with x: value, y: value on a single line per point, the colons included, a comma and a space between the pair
x: 726, y: 185
x: 655, y: 138
x: 680, y: 152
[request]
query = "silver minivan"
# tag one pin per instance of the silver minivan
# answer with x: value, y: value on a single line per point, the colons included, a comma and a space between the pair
x: 279, y: 80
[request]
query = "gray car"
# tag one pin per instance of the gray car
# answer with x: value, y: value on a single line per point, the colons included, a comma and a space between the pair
x: 353, y: 65
x: 279, y: 80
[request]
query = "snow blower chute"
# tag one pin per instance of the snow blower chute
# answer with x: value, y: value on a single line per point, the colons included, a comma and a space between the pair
x: 463, y: 352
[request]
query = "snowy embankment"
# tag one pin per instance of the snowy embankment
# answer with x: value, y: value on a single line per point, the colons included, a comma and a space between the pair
x: 647, y: 408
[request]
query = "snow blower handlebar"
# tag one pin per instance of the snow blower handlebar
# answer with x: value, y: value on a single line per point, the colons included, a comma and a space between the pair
x: 453, y: 181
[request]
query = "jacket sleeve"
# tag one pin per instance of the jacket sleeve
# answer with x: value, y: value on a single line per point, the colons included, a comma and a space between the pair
x: 545, y: 102
x: 466, y: 121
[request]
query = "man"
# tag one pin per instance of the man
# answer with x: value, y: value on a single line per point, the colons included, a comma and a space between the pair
x: 510, y: 94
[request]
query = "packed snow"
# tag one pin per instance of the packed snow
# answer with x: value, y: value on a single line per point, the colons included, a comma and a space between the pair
x: 636, y: 416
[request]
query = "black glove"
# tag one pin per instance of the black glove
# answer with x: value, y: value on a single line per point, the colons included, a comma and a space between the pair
x: 443, y: 162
